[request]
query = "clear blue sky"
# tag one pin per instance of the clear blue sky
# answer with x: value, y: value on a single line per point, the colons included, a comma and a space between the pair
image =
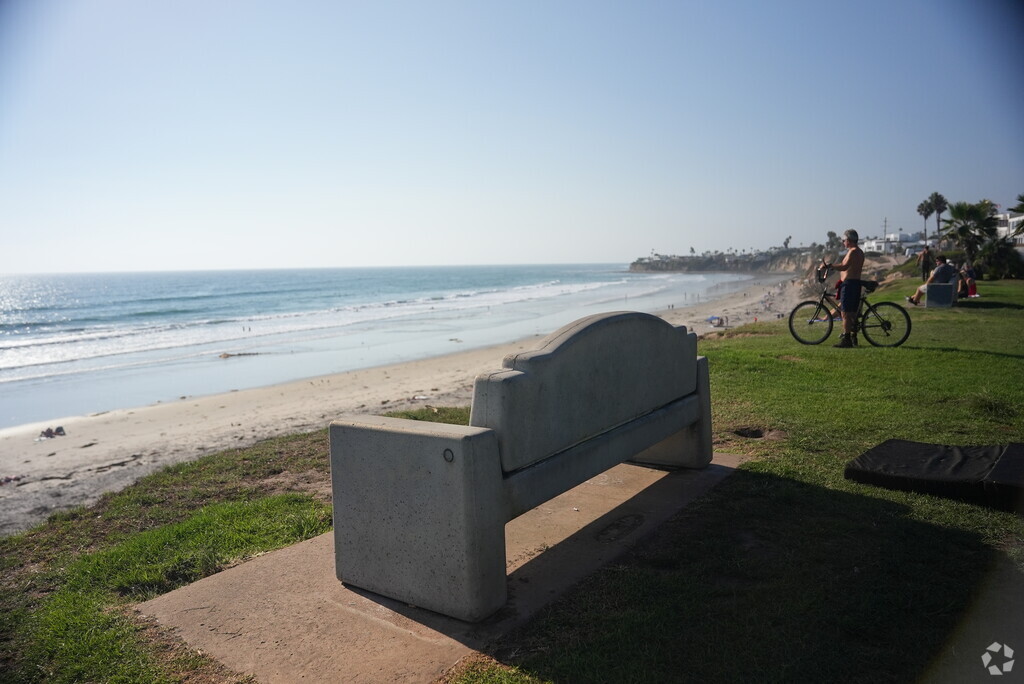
x: 198, y: 134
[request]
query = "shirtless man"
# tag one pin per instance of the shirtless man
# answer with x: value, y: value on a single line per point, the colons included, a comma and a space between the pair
x: 851, y: 267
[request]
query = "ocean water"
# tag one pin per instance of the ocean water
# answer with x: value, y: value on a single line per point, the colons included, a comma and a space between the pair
x: 85, y: 343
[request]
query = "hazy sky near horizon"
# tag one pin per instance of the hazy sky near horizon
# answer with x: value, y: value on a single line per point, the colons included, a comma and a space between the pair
x: 209, y: 134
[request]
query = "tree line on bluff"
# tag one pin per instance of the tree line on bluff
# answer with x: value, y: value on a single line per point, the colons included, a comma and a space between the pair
x: 971, y: 233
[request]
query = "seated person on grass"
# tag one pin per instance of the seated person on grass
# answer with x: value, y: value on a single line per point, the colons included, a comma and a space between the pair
x: 943, y: 273
x: 967, y: 271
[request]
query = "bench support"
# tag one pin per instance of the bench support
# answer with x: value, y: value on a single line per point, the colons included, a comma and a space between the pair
x: 420, y: 508
x: 419, y: 514
x: 940, y: 295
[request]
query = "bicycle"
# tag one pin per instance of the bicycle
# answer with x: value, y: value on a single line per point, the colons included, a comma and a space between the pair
x: 883, y: 325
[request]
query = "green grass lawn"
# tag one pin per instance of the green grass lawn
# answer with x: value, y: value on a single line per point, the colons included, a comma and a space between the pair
x: 784, y: 572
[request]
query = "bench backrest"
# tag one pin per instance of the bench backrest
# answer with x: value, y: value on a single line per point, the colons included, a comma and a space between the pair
x: 941, y: 295
x: 584, y: 379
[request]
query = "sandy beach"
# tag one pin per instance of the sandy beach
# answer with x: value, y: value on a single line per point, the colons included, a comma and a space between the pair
x: 105, y: 452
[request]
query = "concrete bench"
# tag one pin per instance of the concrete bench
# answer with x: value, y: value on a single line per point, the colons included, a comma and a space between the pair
x: 420, y: 508
x: 940, y: 295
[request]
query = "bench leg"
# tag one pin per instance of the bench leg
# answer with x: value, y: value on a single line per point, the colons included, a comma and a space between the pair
x: 690, y: 447
x: 699, y: 434
x: 418, y: 513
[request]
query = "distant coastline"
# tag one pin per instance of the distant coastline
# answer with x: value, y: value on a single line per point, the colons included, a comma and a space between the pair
x: 776, y: 261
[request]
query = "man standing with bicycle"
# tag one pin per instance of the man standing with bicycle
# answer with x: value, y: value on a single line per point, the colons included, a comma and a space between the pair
x: 849, y: 296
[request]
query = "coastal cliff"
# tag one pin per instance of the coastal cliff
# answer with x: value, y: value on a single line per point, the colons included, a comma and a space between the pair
x: 781, y: 261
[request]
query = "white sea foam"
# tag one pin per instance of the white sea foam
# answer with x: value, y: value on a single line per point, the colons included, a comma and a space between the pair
x: 21, y: 358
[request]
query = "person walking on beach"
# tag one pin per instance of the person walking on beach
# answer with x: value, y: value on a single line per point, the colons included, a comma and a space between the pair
x: 924, y: 260
x: 849, y: 295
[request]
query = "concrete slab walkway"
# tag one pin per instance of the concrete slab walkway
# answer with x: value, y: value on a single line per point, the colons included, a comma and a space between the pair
x: 284, y: 617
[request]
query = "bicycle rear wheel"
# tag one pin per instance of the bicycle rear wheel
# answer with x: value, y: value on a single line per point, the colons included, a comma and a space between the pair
x: 810, y: 322
x: 885, y: 324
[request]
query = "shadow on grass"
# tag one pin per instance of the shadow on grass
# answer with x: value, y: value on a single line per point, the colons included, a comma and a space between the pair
x: 958, y: 350
x: 776, y: 580
x: 983, y: 304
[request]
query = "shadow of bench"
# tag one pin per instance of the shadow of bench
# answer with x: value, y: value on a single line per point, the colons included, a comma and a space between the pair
x: 420, y: 508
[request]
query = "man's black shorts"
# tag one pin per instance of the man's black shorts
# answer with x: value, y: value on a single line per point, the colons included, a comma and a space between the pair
x: 849, y: 297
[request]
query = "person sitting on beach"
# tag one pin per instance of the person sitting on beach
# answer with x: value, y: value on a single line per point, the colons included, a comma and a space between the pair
x: 943, y: 273
x: 851, y: 267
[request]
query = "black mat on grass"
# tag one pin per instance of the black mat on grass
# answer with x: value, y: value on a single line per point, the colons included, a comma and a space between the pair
x: 987, y: 475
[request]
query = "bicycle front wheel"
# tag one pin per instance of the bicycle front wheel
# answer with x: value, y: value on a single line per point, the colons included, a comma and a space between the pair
x: 885, y: 324
x: 810, y: 322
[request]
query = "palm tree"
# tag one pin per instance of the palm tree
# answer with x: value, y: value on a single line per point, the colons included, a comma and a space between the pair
x: 1000, y: 259
x: 969, y: 226
x: 925, y: 210
x: 1019, y: 209
x: 939, y: 205
x: 834, y: 241
x: 989, y: 206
